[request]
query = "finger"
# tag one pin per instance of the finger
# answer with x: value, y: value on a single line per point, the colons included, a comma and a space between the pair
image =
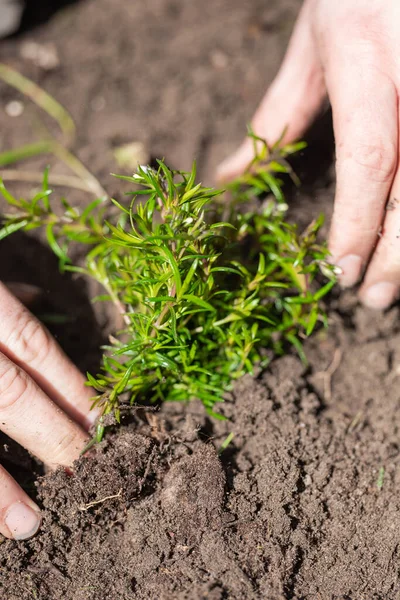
x: 292, y: 102
x: 382, y: 281
x: 29, y: 417
x: 364, y: 106
x: 28, y: 343
x: 19, y: 516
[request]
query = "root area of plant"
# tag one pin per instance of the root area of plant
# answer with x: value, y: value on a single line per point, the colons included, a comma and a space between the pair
x: 302, y: 503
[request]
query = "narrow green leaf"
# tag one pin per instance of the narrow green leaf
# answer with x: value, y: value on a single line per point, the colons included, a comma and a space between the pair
x: 199, y: 302
x: 54, y: 245
x: 12, y: 228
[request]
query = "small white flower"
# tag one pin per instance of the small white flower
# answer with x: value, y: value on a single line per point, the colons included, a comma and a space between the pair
x: 146, y: 168
x: 282, y: 207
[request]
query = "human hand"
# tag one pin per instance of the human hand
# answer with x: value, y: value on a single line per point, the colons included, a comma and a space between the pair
x: 44, y: 406
x: 350, y: 50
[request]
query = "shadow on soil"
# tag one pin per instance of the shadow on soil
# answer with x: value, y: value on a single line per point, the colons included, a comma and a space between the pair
x: 36, y: 13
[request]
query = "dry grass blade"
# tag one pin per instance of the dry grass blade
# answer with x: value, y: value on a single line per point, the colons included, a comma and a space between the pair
x: 68, y: 181
x: 329, y: 373
x: 79, y: 169
x: 41, y: 99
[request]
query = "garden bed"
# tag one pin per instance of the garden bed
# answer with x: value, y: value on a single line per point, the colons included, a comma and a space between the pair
x: 304, y: 500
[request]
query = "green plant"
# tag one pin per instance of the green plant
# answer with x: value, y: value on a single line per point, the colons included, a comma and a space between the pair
x: 207, y: 288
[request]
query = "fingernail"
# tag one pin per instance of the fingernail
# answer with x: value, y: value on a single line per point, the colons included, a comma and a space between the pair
x: 351, y: 269
x: 22, y: 521
x: 380, y: 295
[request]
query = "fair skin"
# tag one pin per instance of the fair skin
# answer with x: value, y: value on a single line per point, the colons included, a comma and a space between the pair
x: 44, y: 405
x: 348, y: 51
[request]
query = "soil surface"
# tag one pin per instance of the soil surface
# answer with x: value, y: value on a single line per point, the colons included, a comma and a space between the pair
x: 304, y: 502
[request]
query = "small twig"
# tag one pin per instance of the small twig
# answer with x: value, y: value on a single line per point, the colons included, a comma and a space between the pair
x: 355, y: 422
x: 329, y: 372
x: 157, y: 427
x: 147, y: 470
x: 96, y: 502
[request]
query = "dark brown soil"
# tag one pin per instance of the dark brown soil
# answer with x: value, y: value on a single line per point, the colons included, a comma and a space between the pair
x: 304, y: 503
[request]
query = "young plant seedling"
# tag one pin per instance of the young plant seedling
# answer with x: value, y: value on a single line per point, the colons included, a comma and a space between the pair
x: 207, y: 288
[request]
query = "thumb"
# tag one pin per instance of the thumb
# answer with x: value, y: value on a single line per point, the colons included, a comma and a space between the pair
x: 291, y: 103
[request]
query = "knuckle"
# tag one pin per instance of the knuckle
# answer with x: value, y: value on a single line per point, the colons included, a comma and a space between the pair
x: 351, y: 21
x: 12, y: 386
x: 30, y: 341
x: 377, y: 159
